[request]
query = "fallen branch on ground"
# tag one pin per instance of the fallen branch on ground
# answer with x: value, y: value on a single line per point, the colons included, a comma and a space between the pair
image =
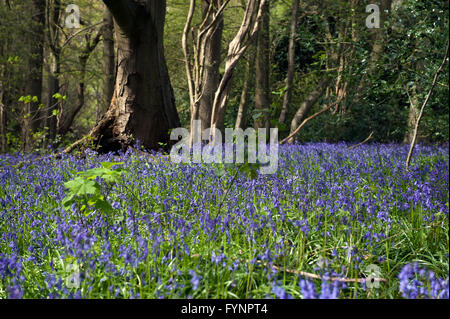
x: 304, y: 273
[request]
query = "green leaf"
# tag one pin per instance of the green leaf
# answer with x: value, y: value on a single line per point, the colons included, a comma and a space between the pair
x: 108, y: 165
x: 104, y: 206
x: 68, y: 201
x: 57, y: 96
x: 219, y: 170
x: 82, y: 186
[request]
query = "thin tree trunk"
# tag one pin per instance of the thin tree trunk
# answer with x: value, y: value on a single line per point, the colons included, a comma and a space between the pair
x: 67, y: 119
x: 53, y: 88
x: 212, y: 61
x: 2, y: 113
x: 143, y: 104
x: 412, y: 115
x: 419, y: 117
x: 108, y: 62
x: 249, y: 27
x: 379, y: 37
x: 241, y: 119
x: 262, y: 90
x: 54, y: 58
x: 291, y: 63
x: 307, y: 105
x: 34, y: 84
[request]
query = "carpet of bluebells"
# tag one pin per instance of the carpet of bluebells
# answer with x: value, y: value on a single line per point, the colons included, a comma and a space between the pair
x: 318, y: 228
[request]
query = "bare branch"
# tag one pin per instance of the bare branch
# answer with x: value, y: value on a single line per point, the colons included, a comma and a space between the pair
x: 416, y: 128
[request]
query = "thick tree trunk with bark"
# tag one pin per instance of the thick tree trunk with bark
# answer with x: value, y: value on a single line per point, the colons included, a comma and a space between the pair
x: 307, y: 105
x: 108, y: 62
x: 262, y: 89
x: 291, y: 63
x: 143, y: 106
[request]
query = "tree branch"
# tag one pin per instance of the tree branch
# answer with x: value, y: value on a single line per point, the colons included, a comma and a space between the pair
x: 416, y: 128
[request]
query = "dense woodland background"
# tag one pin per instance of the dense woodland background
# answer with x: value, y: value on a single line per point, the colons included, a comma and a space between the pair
x: 56, y: 83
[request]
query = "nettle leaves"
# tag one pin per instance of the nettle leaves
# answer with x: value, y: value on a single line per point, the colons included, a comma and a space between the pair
x: 85, y: 190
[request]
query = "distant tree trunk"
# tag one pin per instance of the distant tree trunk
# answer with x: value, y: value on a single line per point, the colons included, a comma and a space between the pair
x: 108, y: 62
x: 422, y: 108
x: 202, y: 60
x: 53, y: 88
x: 307, y: 105
x: 34, y: 84
x: 262, y: 89
x: 247, y: 31
x: 413, y: 103
x: 211, y: 75
x: 412, y: 115
x: 291, y: 63
x: 241, y: 118
x: 143, y: 106
x: 379, y: 37
x: 2, y: 113
x: 54, y: 65
x: 250, y: 25
x: 68, y: 116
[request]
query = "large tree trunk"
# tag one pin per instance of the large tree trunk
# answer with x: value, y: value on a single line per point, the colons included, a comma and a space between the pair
x: 262, y: 89
x: 291, y: 63
x: 108, y: 62
x: 307, y: 105
x: 143, y: 106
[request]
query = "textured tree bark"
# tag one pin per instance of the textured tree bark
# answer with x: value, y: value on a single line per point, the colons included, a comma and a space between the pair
x: 262, y: 89
x: 241, y: 118
x: 306, y: 106
x: 291, y: 63
x: 108, y: 61
x: 143, y: 106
